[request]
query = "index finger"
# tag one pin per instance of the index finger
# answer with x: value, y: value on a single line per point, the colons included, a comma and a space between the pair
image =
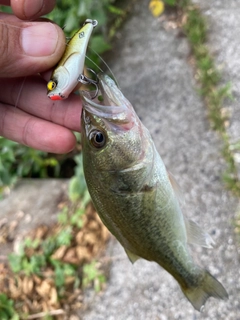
x: 31, y: 9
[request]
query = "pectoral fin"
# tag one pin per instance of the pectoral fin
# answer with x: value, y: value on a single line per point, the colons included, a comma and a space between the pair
x: 178, y: 192
x: 131, y: 256
x: 196, y: 235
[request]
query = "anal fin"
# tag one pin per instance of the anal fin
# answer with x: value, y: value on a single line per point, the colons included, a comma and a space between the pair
x: 132, y: 256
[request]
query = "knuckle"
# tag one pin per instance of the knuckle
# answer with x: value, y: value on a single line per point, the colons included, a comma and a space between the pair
x: 9, y: 47
x: 5, y: 42
x: 27, y: 131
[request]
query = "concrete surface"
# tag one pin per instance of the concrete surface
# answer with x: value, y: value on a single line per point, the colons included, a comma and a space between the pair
x: 31, y: 203
x: 150, y: 63
x: 223, y: 42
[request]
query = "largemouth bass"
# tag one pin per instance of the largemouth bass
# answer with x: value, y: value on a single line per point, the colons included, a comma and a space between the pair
x: 134, y: 194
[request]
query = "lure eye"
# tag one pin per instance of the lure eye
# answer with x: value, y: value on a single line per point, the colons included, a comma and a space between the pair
x: 81, y: 34
x: 51, y: 85
x: 97, y: 138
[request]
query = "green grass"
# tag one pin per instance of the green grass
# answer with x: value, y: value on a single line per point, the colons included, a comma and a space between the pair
x: 7, y: 311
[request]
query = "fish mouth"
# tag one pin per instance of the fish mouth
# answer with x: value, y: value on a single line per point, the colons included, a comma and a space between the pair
x: 109, y: 103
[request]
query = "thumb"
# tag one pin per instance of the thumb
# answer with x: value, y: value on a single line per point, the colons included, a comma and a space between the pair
x: 28, y: 47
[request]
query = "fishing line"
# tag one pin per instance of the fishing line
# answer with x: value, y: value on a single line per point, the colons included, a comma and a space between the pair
x: 94, y: 63
x: 20, y: 91
x: 105, y: 63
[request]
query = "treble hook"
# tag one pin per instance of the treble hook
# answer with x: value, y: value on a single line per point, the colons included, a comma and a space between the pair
x: 87, y: 81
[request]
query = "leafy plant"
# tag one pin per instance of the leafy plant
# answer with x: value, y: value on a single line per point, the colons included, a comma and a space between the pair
x: 15, y: 262
x: 20, y: 161
x: 61, y: 271
x: 64, y: 237
x: 7, y: 311
x: 25, y: 264
x: 92, y: 275
x: 78, y: 11
x: 171, y: 2
x: 78, y: 187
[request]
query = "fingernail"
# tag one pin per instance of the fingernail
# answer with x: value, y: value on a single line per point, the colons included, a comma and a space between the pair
x: 31, y: 9
x: 39, y: 39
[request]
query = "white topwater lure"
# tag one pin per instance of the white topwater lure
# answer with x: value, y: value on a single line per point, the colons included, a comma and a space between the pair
x: 69, y: 72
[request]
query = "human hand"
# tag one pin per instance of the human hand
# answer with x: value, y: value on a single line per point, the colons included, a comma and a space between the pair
x: 27, y: 49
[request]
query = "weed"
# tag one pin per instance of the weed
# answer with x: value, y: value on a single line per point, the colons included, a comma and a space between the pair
x: 7, y: 311
x: 171, y: 2
x: 20, y: 161
x: 209, y: 78
x: 61, y: 272
x: 78, y: 187
x: 51, y: 266
x: 91, y: 275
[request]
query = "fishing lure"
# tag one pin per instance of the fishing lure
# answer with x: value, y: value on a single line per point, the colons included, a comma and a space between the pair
x: 69, y: 71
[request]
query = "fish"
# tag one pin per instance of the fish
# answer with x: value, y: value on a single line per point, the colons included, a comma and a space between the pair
x: 67, y: 74
x: 135, y: 196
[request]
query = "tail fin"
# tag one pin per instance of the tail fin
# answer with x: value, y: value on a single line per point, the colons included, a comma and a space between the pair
x: 209, y: 287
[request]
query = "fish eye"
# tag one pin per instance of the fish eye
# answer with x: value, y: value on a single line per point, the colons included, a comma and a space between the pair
x: 97, y: 138
x: 51, y: 85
